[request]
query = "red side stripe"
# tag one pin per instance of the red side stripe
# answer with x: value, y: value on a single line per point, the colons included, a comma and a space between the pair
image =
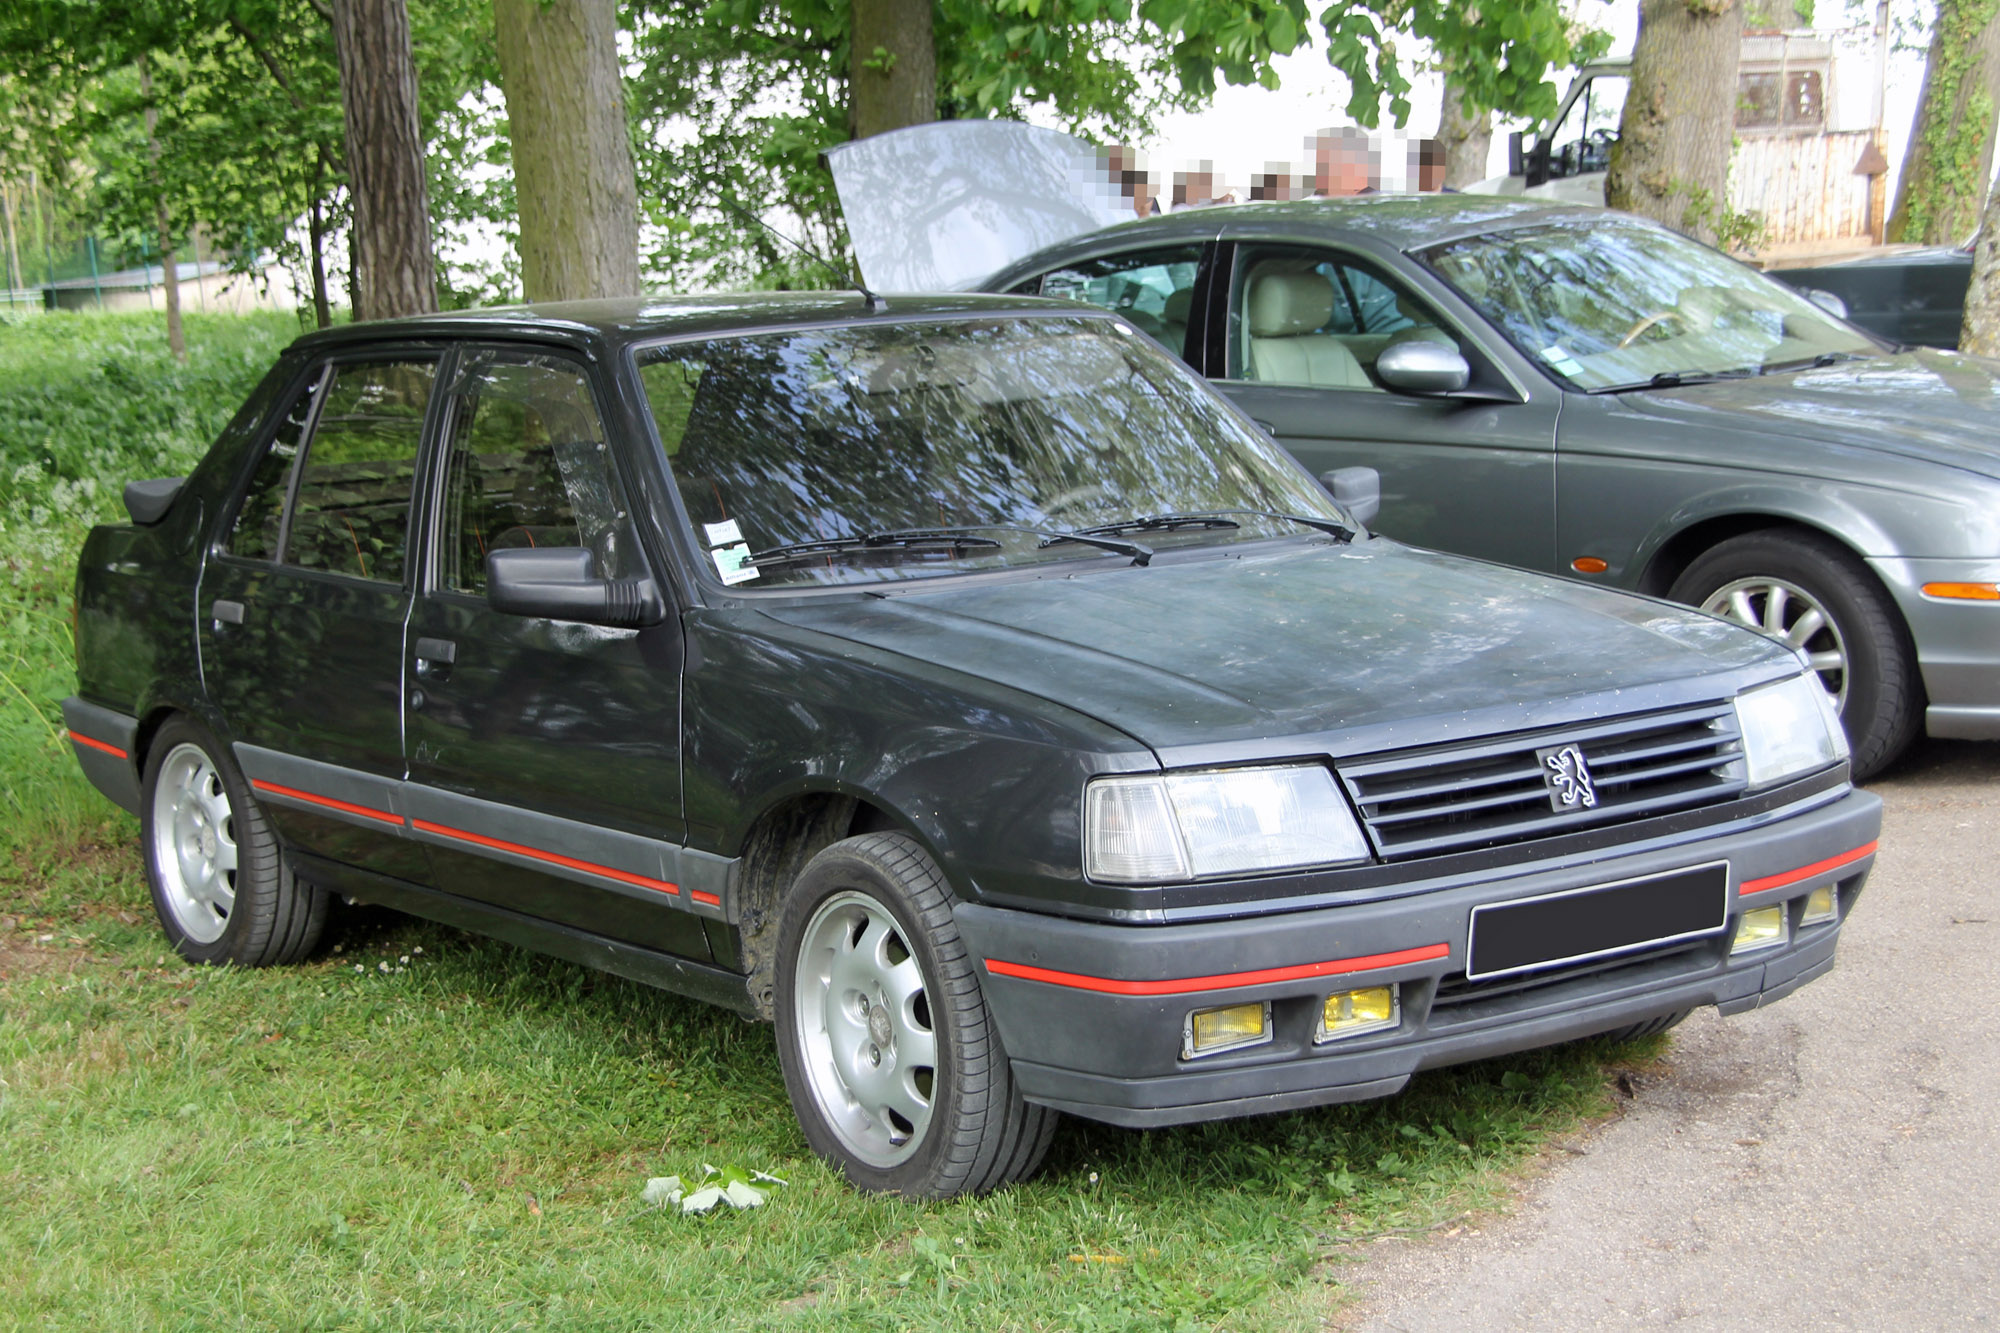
x: 1807, y: 872
x: 1225, y: 981
x: 111, y: 750
x: 327, y: 801
x: 554, y: 858
x: 706, y: 899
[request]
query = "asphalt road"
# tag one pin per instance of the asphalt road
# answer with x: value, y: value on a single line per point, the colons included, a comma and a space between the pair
x: 1831, y: 1162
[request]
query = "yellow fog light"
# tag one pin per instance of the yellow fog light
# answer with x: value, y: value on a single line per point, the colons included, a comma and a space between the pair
x: 1226, y: 1029
x: 1821, y: 905
x: 1759, y: 929
x: 1349, y: 1013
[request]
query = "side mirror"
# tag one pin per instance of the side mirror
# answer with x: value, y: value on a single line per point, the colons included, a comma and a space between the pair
x: 1826, y: 301
x: 1358, y: 490
x: 1535, y: 170
x: 1515, y: 164
x: 148, y: 501
x: 561, y: 583
x: 1422, y: 367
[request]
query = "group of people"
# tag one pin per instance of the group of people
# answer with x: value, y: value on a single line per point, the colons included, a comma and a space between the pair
x: 1346, y: 161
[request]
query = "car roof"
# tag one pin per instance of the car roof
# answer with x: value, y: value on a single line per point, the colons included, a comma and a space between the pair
x: 1401, y: 221
x: 621, y: 321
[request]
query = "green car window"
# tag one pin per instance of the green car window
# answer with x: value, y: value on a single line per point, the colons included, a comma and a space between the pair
x: 1006, y: 429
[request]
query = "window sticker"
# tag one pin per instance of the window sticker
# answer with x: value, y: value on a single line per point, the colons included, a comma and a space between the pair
x: 724, y: 533
x: 732, y: 562
x: 1560, y: 360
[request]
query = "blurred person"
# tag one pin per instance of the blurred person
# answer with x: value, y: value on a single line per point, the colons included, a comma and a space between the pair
x: 1344, y: 162
x: 1427, y: 166
x: 1273, y: 182
x: 1197, y: 188
x: 1134, y: 182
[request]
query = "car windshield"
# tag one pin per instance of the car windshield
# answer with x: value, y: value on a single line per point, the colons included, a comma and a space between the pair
x: 899, y: 450
x: 1610, y: 305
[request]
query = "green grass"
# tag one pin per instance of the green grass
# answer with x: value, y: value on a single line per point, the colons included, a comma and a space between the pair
x: 425, y: 1130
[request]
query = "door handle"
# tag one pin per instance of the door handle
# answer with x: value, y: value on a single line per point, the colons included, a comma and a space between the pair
x: 435, y: 656
x: 225, y: 612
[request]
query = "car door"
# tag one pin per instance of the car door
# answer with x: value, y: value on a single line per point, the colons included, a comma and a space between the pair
x: 1294, y: 345
x: 302, y: 607
x: 544, y: 754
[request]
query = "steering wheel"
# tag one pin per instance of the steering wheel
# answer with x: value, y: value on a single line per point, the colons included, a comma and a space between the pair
x: 1674, y: 316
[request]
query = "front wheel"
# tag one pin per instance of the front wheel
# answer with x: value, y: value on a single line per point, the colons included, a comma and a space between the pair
x: 1812, y: 595
x: 220, y: 885
x: 889, y: 1053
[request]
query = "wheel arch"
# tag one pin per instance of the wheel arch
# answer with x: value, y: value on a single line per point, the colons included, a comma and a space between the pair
x: 1670, y: 552
x: 780, y: 839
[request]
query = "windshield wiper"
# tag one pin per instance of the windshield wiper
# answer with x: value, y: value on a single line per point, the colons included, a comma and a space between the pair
x: 1674, y: 379
x: 1215, y: 518
x: 909, y: 539
x: 1819, y: 362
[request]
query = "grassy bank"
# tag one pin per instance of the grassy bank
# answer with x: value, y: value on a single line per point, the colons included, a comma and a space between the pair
x: 424, y: 1130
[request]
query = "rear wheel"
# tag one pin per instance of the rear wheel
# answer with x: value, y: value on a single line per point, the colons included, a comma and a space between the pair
x: 888, y: 1050
x: 220, y: 885
x: 1813, y: 595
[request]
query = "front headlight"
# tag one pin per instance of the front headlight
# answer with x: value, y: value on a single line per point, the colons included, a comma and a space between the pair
x: 1788, y: 728
x: 1177, y: 826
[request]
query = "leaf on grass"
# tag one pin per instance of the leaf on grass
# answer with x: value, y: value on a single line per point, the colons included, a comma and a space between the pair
x: 743, y: 1195
x: 702, y: 1200
x: 661, y: 1191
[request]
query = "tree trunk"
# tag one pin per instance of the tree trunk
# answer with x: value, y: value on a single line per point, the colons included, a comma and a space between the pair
x: 8, y: 212
x: 170, y: 270
x: 1950, y: 156
x: 573, y: 178
x: 1981, y: 333
x: 394, y: 273
x: 1671, y: 161
x: 892, y: 74
x: 316, y: 241
x: 1467, y: 139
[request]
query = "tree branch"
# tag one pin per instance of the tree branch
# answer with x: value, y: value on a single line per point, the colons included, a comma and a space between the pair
x: 270, y: 62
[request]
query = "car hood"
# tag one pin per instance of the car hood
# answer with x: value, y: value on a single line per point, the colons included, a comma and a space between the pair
x: 1927, y: 405
x: 1311, y: 648
x: 938, y: 207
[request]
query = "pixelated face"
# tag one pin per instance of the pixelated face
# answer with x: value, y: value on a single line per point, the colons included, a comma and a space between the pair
x: 1341, y: 165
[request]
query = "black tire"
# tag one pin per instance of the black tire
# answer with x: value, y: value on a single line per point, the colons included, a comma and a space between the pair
x: 880, y: 893
x: 1884, y: 704
x: 1647, y: 1027
x: 195, y: 810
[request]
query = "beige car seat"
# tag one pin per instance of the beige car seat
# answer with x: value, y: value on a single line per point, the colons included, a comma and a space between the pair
x: 1286, y: 313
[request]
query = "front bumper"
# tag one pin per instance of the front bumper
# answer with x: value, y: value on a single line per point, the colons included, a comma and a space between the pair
x: 1958, y: 644
x: 1092, y: 1014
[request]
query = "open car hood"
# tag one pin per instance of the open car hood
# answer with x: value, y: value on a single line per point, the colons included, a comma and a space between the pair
x: 938, y: 207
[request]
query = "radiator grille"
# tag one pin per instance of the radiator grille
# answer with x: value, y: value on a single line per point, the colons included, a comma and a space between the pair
x: 1494, y: 791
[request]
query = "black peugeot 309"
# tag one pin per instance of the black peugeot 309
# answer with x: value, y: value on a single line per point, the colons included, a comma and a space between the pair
x: 960, y: 683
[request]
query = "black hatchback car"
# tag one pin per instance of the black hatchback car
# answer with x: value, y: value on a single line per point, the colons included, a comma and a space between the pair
x: 961, y: 683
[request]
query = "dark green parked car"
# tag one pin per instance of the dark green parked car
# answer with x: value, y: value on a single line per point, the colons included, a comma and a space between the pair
x: 960, y: 683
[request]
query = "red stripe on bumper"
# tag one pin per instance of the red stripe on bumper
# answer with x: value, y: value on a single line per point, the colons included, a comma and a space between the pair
x: 111, y: 750
x: 1224, y: 981
x: 329, y: 802
x: 1807, y: 872
x: 555, y: 858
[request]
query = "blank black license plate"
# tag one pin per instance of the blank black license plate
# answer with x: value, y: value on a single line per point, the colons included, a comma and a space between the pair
x: 1590, y: 923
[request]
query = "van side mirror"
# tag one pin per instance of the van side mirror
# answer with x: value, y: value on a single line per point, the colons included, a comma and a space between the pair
x: 561, y: 583
x: 1515, y: 164
x: 1358, y: 490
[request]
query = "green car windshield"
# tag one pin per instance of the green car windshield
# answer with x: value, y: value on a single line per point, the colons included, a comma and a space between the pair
x: 1611, y: 305
x: 896, y: 449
